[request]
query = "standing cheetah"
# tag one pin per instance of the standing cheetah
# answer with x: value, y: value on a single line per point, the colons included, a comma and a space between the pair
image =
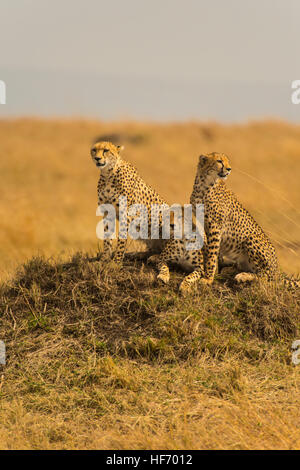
x: 230, y: 230
x: 120, y: 178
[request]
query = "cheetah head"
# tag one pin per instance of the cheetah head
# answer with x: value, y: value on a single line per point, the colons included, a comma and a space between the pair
x: 105, y: 154
x: 215, y: 164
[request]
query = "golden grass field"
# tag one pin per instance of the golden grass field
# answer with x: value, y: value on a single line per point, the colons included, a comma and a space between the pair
x: 48, y: 191
x: 105, y: 359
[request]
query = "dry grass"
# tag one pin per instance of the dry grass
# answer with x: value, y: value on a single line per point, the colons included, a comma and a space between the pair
x: 103, y: 358
x: 48, y: 187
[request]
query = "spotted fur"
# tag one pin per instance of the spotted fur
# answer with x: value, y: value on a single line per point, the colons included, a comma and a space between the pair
x: 120, y: 178
x: 176, y: 252
x: 231, y: 231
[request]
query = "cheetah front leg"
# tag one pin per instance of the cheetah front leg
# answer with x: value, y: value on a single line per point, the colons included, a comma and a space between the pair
x: 122, y: 242
x: 194, y: 276
x: 189, y: 280
x: 161, y: 262
x: 120, y: 250
x: 172, y: 253
x: 118, y: 254
x: 211, y: 252
x: 107, y: 241
x: 107, y: 248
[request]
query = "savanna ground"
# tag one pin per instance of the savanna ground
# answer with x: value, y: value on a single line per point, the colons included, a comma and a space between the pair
x: 99, y: 357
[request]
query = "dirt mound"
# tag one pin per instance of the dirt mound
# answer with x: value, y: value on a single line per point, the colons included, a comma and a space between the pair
x: 54, y: 308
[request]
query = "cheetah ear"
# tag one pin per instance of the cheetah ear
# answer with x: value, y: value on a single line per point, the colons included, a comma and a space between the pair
x: 120, y: 148
x: 203, y: 159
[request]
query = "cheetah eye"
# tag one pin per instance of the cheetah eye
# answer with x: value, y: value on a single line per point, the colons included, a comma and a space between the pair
x: 93, y: 152
x: 219, y: 161
x: 105, y: 150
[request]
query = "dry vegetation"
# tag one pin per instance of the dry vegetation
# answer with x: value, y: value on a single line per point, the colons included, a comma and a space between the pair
x: 105, y: 358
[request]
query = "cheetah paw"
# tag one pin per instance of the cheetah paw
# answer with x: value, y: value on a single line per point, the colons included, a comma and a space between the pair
x: 184, y: 288
x: 206, y: 282
x: 244, y: 277
x: 164, y: 278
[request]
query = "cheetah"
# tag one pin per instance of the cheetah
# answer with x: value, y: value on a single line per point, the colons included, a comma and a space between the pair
x: 120, y: 178
x: 231, y: 231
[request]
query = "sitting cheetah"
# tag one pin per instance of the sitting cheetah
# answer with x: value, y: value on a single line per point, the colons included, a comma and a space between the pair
x: 231, y: 231
x: 120, y: 178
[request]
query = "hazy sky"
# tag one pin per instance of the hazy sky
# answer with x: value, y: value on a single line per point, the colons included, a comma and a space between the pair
x: 183, y: 44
